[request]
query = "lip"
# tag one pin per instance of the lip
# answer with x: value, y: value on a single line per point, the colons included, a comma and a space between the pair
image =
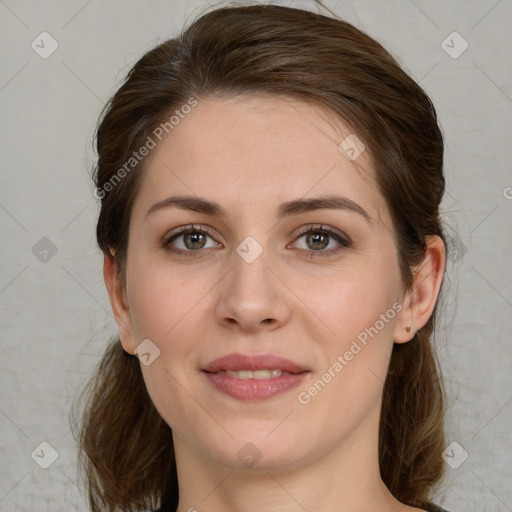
x: 254, y: 389
x: 255, y: 362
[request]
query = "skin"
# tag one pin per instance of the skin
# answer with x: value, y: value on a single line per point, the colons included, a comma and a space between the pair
x: 249, y: 154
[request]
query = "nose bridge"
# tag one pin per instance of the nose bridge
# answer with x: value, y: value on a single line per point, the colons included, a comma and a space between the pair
x: 250, y: 276
x: 251, y: 295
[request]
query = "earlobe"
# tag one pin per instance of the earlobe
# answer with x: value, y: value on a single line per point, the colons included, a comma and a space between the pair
x: 120, y: 309
x: 404, y: 330
x: 421, y: 299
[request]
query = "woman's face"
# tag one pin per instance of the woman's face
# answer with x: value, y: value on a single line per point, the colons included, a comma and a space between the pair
x: 257, y: 292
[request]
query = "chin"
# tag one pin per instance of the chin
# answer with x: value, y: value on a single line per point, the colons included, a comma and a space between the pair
x: 254, y: 450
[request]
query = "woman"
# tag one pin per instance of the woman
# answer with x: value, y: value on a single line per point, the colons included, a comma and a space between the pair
x: 270, y: 184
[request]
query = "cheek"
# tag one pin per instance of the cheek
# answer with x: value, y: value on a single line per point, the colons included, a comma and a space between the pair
x: 165, y: 309
x: 357, y: 300
x: 355, y: 355
x: 358, y: 312
x: 159, y: 299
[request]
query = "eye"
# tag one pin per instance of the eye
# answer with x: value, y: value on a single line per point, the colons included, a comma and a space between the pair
x: 322, y: 241
x: 317, y: 241
x: 189, y: 240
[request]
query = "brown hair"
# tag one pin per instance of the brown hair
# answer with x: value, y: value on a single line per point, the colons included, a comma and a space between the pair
x: 125, y: 446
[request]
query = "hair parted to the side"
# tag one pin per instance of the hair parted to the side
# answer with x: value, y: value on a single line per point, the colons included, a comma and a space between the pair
x: 125, y: 446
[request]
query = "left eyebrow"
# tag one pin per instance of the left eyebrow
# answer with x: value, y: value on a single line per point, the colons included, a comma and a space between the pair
x: 328, y: 202
x: 295, y: 207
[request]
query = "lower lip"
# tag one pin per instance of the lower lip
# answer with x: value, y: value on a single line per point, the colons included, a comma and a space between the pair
x: 254, y: 389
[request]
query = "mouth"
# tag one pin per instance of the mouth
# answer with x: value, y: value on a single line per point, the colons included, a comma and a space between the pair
x: 256, y: 374
x: 254, y: 378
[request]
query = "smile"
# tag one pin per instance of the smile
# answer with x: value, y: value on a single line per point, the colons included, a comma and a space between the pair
x: 257, y: 374
x: 254, y: 377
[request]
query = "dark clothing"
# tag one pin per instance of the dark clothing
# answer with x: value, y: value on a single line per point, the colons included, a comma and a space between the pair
x: 435, y: 508
x: 431, y: 508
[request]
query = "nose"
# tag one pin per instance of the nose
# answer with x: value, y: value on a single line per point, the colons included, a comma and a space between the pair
x: 252, y: 297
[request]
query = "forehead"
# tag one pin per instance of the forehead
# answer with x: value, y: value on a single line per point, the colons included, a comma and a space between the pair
x: 261, y: 148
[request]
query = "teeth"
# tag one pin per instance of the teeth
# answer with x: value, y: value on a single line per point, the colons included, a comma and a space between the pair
x: 257, y: 374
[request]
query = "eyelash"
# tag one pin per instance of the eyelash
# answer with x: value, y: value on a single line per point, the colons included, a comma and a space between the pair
x: 345, y: 243
x: 320, y: 228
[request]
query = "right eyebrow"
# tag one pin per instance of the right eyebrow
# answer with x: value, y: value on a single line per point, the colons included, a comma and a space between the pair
x: 193, y: 203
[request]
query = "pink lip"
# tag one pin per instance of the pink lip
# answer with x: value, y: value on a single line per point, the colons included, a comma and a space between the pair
x: 257, y: 362
x: 253, y: 389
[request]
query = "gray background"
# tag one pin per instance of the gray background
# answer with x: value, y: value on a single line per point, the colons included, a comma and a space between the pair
x: 54, y: 310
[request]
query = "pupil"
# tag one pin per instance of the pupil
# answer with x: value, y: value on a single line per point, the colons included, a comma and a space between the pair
x: 318, y: 240
x: 196, y: 240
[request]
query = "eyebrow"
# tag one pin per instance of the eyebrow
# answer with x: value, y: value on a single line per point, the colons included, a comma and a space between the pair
x: 295, y: 207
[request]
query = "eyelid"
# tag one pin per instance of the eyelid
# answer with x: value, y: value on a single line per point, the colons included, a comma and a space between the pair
x: 343, y: 240
x: 326, y: 229
x: 185, y: 229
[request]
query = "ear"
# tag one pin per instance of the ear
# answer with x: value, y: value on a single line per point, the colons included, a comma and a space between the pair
x: 120, y: 309
x: 421, y: 299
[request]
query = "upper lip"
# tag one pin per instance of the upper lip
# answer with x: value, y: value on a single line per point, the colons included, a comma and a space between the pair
x: 253, y: 362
